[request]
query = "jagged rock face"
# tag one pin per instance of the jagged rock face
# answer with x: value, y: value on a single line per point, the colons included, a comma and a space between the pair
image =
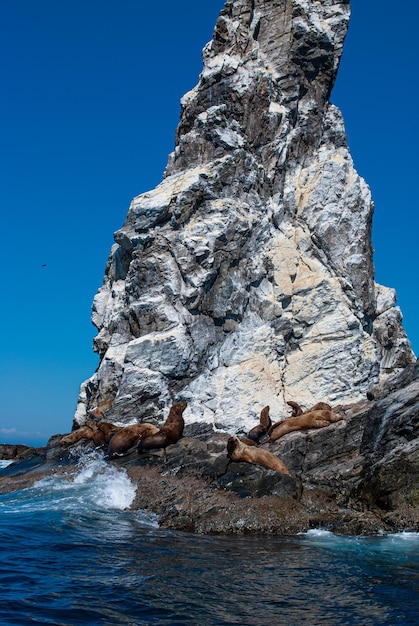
x: 246, y: 277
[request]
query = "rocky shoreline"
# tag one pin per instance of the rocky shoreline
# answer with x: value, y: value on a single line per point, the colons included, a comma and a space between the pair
x: 245, y: 279
x: 357, y: 476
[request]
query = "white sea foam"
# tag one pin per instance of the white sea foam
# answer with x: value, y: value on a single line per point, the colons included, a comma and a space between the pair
x: 401, y: 536
x: 404, y: 536
x: 146, y: 518
x: 4, y: 463
x: 94, y: 487
x: 401, y: 542
x: 388, y: 545
x: 96, y: 484
x: 318, y: 532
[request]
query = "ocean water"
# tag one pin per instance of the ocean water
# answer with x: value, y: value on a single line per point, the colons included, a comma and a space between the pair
x: 72, y: 554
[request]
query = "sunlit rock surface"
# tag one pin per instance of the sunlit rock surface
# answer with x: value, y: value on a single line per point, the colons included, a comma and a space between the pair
x: 246, y: 277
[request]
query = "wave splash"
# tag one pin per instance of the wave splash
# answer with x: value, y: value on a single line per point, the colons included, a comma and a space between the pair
x: 4, y: 463
x: 386, y: 546
x: 93, y: 486
x: 96, y: 484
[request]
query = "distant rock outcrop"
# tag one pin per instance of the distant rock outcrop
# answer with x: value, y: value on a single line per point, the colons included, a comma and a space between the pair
x: 16, y: 452
x: 246, y: 277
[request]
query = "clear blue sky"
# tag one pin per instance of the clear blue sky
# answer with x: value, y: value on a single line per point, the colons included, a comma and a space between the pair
x: 89, y: 108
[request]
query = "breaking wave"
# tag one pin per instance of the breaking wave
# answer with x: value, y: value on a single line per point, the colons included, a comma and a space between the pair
x: 93, y: 488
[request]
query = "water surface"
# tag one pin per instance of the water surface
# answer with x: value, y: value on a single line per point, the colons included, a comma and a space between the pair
x: 71, y: 554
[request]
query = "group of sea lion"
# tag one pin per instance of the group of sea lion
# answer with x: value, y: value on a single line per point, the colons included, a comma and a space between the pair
x: 123, y: 440
x: 318, y: 416
x: 99, y: 432
x: 143, y: 437
x: 245, y: 448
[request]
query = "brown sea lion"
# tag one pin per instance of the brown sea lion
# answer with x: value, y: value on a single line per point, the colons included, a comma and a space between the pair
x: 129, y: 437
x: 84, y: 432
x: 107, y: 429
x: 98, y: 432
x: 297, y: 411
x: 258, y: 432
x: 312, y: 419
x: 239, y: 451
x: 248, y: 442
x: 170, y: 432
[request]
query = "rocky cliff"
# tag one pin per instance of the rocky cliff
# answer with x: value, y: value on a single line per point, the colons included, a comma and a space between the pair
x: 246, y: 277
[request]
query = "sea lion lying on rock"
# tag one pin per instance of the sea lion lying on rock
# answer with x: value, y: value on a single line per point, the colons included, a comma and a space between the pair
x: 170, y: 432
x: 129, y: 437
x: 317, y: 418
x: 256, y: 434
x: 239, y: 451
x: 99, y: 432
x: 297, y: 411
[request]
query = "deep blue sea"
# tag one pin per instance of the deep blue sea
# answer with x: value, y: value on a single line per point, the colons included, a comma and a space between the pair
x: 71, y: 554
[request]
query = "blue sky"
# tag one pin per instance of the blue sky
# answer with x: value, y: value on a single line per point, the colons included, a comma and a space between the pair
x: 90, y: 105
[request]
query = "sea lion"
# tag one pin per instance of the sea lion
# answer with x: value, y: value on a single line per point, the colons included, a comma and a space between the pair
x: 239, y: 451
x: 319, y: 418
x: 84, y: 432
x: 248, y: 442
x: 297, y: 411
x: 170, y: 432
x: 258, y: 432
x: 98, y: 432
x: 129, y: 437
x: 107, y: 429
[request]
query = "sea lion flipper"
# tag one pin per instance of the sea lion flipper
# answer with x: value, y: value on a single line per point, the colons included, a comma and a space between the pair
x: 296, y: 409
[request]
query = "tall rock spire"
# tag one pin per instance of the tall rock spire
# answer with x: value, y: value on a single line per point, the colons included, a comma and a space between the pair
x: 246, y: 277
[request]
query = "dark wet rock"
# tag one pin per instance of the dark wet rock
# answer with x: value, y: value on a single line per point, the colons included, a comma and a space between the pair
x: 15, y: 452
x: 259, y: 482
x: 394, y: 382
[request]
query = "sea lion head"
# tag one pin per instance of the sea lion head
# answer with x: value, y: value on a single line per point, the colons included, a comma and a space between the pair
x: 265, y: 420
x: 179, y: 407
x: 232, y: 444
